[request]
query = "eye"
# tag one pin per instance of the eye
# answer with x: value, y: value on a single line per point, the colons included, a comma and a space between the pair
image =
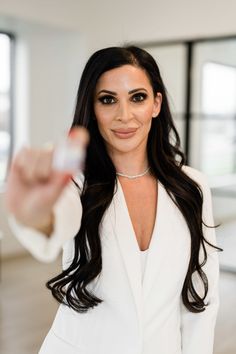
x: 139, y: 97
x: 107, y: 99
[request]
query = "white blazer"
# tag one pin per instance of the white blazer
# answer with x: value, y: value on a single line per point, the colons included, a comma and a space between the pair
x: 135, y: 317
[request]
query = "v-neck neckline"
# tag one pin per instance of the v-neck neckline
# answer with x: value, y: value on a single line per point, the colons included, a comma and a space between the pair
x: 129, y: 218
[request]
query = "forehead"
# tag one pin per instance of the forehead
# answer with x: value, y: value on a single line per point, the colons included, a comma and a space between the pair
x: 125, y: 77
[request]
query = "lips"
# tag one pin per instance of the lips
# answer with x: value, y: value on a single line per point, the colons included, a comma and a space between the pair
x: 125, y: 131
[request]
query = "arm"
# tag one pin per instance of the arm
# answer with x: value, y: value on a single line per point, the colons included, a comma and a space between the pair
x: 198, y: 328
x: 67, y: 218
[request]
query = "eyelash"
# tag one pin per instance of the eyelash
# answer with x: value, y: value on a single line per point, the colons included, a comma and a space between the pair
x: 109, y: 97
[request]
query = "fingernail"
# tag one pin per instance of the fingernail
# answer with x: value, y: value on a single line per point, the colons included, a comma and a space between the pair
x: 72, y: 133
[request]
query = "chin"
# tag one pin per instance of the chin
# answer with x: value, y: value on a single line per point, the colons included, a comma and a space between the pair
x: 126, y: 148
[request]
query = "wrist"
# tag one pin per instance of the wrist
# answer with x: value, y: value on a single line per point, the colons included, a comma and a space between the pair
x: 47, y: 226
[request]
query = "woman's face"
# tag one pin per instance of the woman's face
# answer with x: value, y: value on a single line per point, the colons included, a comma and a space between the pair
x: 124, y: 106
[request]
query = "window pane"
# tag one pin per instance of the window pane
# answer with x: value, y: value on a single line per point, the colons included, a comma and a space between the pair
x: 4, y: 104
x: 218, y: 126
x: 213, y: 128
x: 4, y: 63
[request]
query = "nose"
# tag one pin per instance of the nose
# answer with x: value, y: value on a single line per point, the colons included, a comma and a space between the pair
x: 124, y: 112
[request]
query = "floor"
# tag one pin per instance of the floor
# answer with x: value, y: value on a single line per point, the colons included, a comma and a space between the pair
x: 27, y: 309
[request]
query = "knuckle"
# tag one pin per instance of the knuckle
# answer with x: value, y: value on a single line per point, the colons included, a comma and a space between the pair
x: 43, y: 166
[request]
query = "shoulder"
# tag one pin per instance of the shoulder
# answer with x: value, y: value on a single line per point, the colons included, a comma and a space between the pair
x: 201, y: 179
x: 198, y: 176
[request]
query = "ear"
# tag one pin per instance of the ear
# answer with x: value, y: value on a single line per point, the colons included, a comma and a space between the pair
x: 157, y: 105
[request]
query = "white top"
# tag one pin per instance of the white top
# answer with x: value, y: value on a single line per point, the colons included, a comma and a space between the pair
x: 143, y: 256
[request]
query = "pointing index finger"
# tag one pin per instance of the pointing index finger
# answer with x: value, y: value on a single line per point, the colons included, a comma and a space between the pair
x: 80, y: 133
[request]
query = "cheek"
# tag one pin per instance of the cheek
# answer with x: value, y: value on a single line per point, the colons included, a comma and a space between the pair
x: 102, y: 118
x: 103, y: 115
x: 103, y: 122
x: 145, y: 114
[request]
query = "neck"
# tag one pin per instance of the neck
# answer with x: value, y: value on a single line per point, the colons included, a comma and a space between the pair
x: 131, y: 163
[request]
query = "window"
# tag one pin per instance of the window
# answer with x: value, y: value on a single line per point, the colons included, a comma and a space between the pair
x: 218, y: 149
x: 5, y: 103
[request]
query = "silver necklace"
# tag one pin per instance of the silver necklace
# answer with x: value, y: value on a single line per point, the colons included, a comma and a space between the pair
x: 134, y: 176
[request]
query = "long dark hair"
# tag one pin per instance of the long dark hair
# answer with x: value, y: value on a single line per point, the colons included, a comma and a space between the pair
x: 165, y: 159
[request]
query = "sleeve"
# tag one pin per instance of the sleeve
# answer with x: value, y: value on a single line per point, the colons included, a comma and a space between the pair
x: 67, y: 212
x: 198, y: 328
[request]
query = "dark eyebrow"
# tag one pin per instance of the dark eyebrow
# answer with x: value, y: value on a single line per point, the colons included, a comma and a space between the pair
x: 107, y: 91
x: 138, y: 89
x: 115, y: 94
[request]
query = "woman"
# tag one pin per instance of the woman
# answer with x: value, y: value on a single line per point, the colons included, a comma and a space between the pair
x: 140, y: 265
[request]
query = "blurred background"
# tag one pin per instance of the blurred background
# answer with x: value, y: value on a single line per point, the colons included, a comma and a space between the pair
x: 43, y: 48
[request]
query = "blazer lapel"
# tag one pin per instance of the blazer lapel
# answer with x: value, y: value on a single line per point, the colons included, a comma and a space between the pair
x: 170, y: 242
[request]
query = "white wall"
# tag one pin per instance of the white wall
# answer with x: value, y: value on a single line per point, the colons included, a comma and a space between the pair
x: 171, y: 61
